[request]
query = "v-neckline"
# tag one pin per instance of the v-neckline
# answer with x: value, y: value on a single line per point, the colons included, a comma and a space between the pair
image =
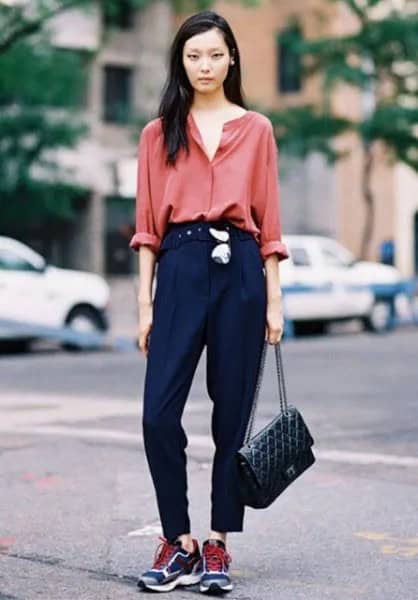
x: 224, y: 126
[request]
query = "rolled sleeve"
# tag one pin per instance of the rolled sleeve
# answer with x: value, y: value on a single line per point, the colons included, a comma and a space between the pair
x: 144, y: 239
x: 145, y: 230
x: 274, y: 247
x: 269, y: 204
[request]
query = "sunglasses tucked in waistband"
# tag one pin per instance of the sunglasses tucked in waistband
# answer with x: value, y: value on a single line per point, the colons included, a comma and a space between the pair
x: 219, y: 232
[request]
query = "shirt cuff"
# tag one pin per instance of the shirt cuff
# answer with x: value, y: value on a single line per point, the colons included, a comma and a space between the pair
x: 143, y: 238
x: 275, y: 247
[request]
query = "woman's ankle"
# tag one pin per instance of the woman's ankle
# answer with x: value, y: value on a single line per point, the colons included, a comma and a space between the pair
x: 217, y: 535
x: 186, y: 540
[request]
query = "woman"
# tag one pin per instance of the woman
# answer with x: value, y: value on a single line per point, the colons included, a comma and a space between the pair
x: 208, y: 213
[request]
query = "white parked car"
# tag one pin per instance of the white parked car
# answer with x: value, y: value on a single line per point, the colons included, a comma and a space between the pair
x: 35, y: 294
x: 322, y: 282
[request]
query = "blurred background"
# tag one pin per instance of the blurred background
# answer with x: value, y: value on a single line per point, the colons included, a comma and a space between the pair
x: 78, y: 81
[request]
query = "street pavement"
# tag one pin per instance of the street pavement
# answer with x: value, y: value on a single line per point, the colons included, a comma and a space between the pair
x: 78, y: 517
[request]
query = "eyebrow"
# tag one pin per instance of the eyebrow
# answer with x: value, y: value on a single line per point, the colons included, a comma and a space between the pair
x: 197, y: 50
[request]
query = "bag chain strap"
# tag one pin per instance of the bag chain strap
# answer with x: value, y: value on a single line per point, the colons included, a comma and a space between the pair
x: 280, y: 377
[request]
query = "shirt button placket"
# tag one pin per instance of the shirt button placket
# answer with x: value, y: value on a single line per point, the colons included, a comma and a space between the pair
x: 210, y: 186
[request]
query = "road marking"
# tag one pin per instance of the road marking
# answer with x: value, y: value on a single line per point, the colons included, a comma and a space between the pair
x: 404, y: 547
x: 5, y: 543
x: 404, y: 551
x: 366, y: 458
x: 204, y: 441
x: 147, y: 530
x: 43, y: 482
x: 98, y: 434
x: 35, y: 410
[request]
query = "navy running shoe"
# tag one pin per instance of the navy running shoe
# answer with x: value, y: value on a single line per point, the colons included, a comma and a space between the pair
x: 173, y: 566
x: 214, y: 567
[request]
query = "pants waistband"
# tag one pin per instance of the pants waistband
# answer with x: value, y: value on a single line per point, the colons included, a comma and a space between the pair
x: 177, y: 233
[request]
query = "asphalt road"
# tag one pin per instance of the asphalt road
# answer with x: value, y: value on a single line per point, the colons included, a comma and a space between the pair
x: 78, y: 517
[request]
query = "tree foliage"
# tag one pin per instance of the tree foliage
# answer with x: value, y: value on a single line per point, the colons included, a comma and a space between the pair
x: 40, y: 89
x: 379, y: 59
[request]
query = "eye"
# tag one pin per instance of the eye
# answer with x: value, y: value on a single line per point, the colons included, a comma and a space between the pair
x: 193, y: 56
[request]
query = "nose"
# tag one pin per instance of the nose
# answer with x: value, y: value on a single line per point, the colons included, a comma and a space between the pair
x: 205, y: 65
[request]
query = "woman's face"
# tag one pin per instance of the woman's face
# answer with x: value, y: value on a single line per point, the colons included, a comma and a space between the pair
x: 206, y: 55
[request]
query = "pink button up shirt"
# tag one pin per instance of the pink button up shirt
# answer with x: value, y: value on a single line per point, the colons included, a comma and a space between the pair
x: 240, y: 183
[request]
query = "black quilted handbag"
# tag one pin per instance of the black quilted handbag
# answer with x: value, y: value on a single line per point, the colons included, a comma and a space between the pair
x: 280, y: 452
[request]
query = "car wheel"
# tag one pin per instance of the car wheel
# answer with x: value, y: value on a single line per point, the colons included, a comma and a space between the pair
x: 380, y: 317
x: 84, y: 320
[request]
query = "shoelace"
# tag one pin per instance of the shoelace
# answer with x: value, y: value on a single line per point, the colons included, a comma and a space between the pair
x: 163, y: 553
x: 216, y: 557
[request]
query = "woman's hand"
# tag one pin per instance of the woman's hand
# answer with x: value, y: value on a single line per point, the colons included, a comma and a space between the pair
x: 275, y: 321
x: 145, y: 325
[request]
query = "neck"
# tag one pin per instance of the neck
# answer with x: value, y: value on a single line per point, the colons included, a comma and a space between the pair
x: 215, y: 101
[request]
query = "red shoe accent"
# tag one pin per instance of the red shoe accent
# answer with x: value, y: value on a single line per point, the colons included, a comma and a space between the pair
x: 216, y: 558
x: 164, y: 551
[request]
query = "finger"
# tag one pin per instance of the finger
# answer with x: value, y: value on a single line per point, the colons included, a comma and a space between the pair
x: 147, y: 340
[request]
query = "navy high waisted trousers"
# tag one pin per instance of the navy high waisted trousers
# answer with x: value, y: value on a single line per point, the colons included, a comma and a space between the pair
x: 199, y: 303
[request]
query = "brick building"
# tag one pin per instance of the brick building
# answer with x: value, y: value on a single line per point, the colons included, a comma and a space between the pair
x: 127, y: 74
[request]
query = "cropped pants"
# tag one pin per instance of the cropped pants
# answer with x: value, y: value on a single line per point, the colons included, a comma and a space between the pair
x: 199, y: 302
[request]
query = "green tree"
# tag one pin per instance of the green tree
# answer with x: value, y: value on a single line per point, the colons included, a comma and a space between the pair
x: 17, y: 22
x: 380, y: 60
x: 39, y: 92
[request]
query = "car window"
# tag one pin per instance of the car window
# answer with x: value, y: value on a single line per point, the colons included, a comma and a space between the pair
x: 10, y: 261
x: 332, y: 258
x: 345, y: 255
x: 300, y: 256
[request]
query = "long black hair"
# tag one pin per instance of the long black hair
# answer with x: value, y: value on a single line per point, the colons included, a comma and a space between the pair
x: 177, y: 95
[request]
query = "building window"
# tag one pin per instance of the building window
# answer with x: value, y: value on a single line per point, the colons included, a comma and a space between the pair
x: 288, y: 61
x: 117, y: 94
x: 119, y: 14
x: 120, y: 227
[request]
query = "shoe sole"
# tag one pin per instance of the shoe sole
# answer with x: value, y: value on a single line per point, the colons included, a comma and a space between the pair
x: 167, y: 587
x: 215, y: 589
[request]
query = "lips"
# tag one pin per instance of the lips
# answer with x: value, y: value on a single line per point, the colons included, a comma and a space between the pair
x: 206, y: 79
